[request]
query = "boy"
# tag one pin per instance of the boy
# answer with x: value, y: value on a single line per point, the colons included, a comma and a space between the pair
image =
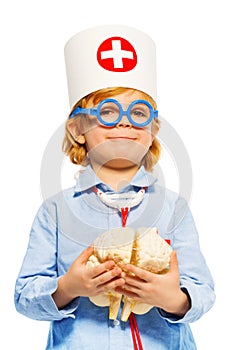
x: 112, y: 131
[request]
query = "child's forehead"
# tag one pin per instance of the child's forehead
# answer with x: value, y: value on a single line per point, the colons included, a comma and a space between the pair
x: 127, y: 96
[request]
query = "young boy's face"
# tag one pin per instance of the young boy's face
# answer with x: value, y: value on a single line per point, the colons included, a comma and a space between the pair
x: 119, y: 145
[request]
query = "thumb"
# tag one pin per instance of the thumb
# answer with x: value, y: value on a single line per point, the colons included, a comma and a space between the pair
x: 85, y: 255
x: 174, y: 265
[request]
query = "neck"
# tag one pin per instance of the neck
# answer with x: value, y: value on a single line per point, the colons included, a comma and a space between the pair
x: 115, y: 177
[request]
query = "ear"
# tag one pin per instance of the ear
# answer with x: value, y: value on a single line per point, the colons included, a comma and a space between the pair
x: 81, y: 139
x: 75, y: 132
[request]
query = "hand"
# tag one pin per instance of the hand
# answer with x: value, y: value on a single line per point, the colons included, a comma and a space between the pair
x: 81, y: 280
x: 162, y: 291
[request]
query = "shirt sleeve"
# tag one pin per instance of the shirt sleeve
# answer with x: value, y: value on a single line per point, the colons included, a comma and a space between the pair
x: 195, y: 278
x: 38, y: 278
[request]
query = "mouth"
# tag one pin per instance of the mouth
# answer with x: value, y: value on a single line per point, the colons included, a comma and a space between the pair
x: 122, y: 138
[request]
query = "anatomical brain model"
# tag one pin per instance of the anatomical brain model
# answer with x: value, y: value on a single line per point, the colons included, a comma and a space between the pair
x: 145, y: 249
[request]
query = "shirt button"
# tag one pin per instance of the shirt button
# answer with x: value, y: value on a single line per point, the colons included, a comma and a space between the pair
x: 116, y: 322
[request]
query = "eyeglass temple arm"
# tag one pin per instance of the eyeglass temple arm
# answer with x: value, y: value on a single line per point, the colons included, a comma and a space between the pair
x: 79, y: 110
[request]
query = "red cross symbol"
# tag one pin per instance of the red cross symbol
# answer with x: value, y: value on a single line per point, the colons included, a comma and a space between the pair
x: 117, y: 55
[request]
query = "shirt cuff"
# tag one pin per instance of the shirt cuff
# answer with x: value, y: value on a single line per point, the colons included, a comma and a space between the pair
x: 40, y: 304
x: 67, y: 311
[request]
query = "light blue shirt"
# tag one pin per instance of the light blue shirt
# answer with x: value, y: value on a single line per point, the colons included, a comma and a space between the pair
x: 70, y: 221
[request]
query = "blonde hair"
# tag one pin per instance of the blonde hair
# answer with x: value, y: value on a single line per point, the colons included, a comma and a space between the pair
x: 77, y: 151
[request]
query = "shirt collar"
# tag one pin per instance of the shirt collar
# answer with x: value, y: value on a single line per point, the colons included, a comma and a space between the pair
x: 87, y: 179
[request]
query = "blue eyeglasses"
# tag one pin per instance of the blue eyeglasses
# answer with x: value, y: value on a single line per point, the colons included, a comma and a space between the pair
x: 109, y: 112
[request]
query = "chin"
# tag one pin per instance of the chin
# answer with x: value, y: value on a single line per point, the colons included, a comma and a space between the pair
x: 121, y: 163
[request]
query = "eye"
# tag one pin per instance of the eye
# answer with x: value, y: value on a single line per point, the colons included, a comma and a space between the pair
x: 139, y: 113
x: 109, y: 110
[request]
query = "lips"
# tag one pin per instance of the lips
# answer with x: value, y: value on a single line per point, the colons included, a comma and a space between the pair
x: 121, y: 138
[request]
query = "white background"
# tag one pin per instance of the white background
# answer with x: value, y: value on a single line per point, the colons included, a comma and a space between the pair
x: 194, y: 63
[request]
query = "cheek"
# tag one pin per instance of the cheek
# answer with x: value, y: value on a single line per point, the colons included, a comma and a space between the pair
x: 93, y: 138
x: 87, y: 124
x: 146, y: 138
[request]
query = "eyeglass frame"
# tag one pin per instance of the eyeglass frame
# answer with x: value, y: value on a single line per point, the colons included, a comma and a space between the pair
x: 96, y: 112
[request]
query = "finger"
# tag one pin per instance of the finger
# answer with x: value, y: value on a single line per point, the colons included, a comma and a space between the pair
x: 133, y: 281
x: 101, y: 268
x: 174, y: 265
x: 113, y: 285
x: 107, y: 276
x: 131, y: 289
x: 139, y: 272
x: 85, y: 255
x: 124, y: 291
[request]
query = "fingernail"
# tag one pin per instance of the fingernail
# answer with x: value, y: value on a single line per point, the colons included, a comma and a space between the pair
x: 110, y: 266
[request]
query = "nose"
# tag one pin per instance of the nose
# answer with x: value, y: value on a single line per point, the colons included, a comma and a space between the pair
x: 124, y: 122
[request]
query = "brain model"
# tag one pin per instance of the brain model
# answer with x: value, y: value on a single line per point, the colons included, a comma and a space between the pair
x: 143, y: 248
